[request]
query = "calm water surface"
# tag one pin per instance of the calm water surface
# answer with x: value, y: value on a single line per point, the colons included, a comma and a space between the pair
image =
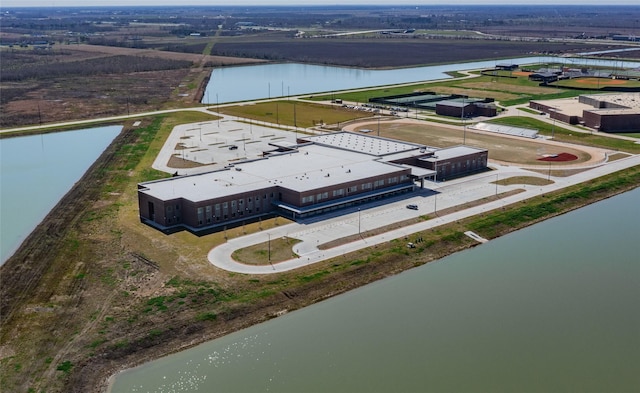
x: 551, y: 308
x: 243, y: 83
x: 37, y: 171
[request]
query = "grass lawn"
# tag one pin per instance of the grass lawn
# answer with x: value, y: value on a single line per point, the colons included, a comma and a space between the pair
x: 271, y: 251
x: 290, y: 113
x: 509, y: 91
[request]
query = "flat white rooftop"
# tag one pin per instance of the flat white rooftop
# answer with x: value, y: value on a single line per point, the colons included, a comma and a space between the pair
x: 311, y: 167
x: 451, y: 152
x: 367, y: 144
x: 630, y: 100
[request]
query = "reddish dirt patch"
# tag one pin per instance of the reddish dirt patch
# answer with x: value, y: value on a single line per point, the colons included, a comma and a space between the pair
x: 562, y: 157
x: 521, y: 73
x: 601, y: 81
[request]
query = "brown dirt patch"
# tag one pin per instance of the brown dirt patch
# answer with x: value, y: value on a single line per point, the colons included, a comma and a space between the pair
x: 521, y: 73
x: 514, y: 150
x: 181, y: 163
x: 601, y: 82
x: 562, y: 157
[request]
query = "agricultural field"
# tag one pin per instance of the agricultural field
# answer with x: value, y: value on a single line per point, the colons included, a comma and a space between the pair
x: 85, y: 81
x: 384, y: 52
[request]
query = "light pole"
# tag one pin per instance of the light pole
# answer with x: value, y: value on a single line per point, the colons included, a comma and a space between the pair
x: 435, y: 204
x: 269, y: 247
x: 358, y: 221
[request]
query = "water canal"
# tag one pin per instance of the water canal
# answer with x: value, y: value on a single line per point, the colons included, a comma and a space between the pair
x: 552, y: 307
x: 37, y: 170
x: 242, y: 83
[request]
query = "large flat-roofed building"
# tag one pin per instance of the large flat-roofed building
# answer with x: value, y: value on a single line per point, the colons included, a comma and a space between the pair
x: 319, y: 174
x: 619, y: 112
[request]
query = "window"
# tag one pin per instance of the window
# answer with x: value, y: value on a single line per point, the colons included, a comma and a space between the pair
x: 353, y: 188
x: 338, y: 192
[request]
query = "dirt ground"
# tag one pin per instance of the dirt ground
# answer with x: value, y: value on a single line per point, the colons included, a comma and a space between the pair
x: 502, y: 149
x: 77, y: 97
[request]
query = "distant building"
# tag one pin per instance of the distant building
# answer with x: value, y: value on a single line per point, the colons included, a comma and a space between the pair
x: 454, y: 105
x: 320, y: 174
x: 506, y: 66
x: 603, y: 112
x: 464, y: 108
x: 544, y: 77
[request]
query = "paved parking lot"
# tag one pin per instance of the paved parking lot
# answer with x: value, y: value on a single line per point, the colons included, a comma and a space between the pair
x: 215, y: 144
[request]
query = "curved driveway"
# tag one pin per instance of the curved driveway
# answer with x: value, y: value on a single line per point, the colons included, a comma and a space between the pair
x: 450, y: 194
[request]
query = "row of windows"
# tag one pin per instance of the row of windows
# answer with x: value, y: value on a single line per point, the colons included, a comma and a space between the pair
x: 353, y: 189
x: 231, y: 209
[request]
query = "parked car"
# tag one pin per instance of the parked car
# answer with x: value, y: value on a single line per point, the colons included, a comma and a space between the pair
x: 412, y: 207
x: 233, y: 147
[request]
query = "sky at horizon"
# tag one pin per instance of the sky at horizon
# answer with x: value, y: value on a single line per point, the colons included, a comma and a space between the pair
x: 96, y: 3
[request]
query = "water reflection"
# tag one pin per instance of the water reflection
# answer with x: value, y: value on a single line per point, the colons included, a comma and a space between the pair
x: 549, y: 308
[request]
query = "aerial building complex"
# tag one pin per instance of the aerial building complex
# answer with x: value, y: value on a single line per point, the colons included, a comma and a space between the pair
x: 317, y: 174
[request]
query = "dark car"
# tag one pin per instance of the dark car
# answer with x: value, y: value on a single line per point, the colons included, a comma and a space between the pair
x: 233, y: 147
x: 412, y: 207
